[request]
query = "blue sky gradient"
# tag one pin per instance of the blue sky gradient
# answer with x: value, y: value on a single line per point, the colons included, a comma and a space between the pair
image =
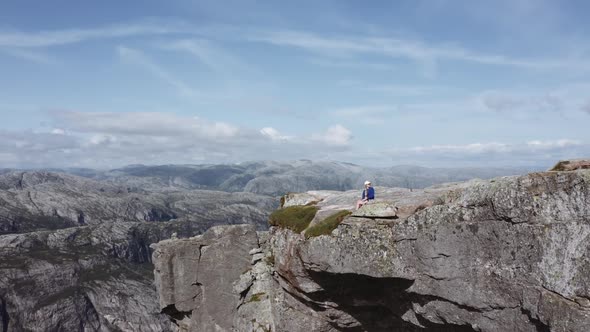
x: 433, y: 83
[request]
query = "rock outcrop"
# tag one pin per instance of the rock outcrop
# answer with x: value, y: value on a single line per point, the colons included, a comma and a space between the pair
x: 90, y: 278
x: 194, y: 276
x: 507, y: 254
x: 571, y: 165
x: 75, y: 255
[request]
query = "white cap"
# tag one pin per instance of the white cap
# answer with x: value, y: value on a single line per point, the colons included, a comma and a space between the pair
x: 367, y: 182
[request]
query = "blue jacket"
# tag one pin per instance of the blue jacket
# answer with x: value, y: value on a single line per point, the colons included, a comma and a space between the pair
x: 370, y: 193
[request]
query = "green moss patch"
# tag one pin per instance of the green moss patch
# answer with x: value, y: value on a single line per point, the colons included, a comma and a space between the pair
x: 295, y: 218
x: 327, y: 225
x: 256, y: 297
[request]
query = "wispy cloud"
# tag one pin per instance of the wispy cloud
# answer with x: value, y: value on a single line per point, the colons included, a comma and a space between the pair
x: 495, y: 147
x: 209, y: 54
x: 413, y: 50
x: 20, y: 39
x: 364, y: 65
x: 534, y: 152
x: 551, y: 144
x: 533, y: 146
x: 466, y: 148
x: 402, y: 90
x: 394, y: 89
x: 34, y: 56
x: 505, y: 102
x: 139, y: 58
x: 568, y: 98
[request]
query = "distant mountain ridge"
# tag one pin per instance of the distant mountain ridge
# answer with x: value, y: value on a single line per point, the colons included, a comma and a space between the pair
x: 277, y: 178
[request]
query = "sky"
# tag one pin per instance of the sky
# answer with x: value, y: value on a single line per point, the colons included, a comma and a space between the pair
x: 438, y: 83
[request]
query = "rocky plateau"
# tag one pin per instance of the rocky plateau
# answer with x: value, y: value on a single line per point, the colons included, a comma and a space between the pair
x: 505, y: 254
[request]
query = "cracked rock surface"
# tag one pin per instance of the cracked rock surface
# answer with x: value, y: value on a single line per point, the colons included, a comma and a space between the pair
x: 194, y: 276
x: 75, y: 255
x: 507, y: 254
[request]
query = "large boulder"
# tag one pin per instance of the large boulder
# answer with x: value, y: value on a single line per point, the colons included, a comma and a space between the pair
x: 195, y: 276
x: 376, y: 210
x: 571, y: 165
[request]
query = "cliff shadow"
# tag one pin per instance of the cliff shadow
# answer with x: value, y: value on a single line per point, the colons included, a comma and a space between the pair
x: 378, y: 304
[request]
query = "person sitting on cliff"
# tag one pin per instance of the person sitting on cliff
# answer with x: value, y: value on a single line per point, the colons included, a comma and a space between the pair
x: 368, y: 195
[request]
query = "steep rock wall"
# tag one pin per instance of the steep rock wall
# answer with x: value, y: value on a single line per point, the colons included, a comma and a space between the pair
x: 508, y: 254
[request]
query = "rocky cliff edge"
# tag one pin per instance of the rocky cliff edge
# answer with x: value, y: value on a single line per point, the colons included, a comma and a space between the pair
x: 507, y: 254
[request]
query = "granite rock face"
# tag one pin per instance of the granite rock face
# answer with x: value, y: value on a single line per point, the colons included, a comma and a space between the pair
x: 195, y: 276
x: 90, y: 278
x: 376, y: 210
x: 75, y: 253
x: 507, y: 254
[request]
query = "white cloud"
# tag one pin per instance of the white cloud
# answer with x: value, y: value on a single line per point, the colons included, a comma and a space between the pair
x: 58, y: 131
x: 274, y: 134
x: 102, y: 139
x: 219, y: 129
x: 31, y: 143
x: 144, y: 124
x: 114, y: 139
x: 562, y: 143
x: 336, y: 135
x: 466, y: 148
x: 99, y: 140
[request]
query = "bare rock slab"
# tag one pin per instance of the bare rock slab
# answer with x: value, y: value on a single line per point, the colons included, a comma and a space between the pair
x: 376, y: 210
